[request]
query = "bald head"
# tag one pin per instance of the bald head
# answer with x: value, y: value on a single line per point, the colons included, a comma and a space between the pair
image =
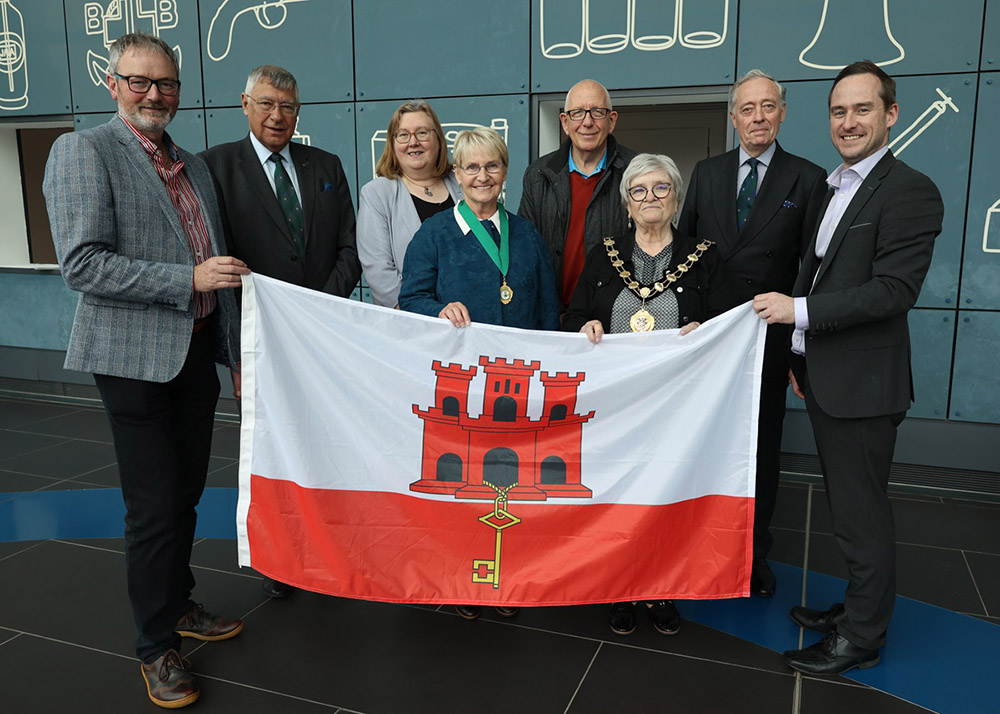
x: 590, y: 102
x: 587, y: 86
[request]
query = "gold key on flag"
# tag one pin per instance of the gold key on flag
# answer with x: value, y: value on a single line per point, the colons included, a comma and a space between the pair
x: 488, y: 571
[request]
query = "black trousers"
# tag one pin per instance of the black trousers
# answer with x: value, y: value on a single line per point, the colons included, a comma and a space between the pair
x: 163, y: 436
x: 856, y: 455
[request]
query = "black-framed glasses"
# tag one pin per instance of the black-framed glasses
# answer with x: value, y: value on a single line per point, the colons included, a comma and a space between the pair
x: 140, y: 85
x: 423, y: 135
x: 596, y: 113
x: 660, y: 190
x: 289, y: 109
x: 492, y: 167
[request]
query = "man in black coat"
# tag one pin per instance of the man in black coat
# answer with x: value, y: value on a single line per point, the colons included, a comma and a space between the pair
x: 851, y: 353
x: 760, y: 205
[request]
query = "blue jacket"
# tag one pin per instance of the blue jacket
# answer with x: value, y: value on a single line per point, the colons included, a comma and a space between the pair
x: 443, y: 265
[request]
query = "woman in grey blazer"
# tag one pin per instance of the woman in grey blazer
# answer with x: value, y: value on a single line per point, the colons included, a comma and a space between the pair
x: 413, y: 183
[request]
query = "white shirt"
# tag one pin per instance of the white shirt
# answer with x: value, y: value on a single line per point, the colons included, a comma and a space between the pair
x: 845, y: 181
x: 264, y: 154
x: 464, y: 226
x: 744, y: 170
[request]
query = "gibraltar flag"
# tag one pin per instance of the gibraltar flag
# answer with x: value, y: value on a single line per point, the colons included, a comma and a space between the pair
x: 391, y: 456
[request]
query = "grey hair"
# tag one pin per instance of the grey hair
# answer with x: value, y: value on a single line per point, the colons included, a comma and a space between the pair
x: 277, y: 77
x: 753, y: 74
x: 481, y: 138
x: 644, y: 164
x: 607, y: 97
x: 142, y: 42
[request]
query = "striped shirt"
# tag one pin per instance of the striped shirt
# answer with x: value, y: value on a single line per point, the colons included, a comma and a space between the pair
x: 185, y: 202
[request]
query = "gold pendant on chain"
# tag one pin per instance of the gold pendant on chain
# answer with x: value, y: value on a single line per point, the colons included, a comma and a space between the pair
x: 642, y: 321
x: 506, y: 293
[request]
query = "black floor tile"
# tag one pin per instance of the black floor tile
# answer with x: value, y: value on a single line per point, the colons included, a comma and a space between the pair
x: 226, y: 441
x: 13, y: 481
x: 381, y: 658
x: 16, y: 414
x: 9, y: 549
x: 219, y: 554
x: 790, y: 507
x: 827, y: 697
x: 92, y: 682
x: 994, y: 620
x: 7, y: 636
x: 623, y: 679
x: 227, y: 476
x: 87, y: 424
x: 116, y: 545
x: 106, y: 476
x: 64, y: 460
x: 789, y: 546
x: 16, y: 443
x: 986, y: 573
x: 966, y: 527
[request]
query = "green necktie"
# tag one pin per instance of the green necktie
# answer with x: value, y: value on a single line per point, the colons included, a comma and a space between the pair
x: 289, y: 203
x: 747, y: 194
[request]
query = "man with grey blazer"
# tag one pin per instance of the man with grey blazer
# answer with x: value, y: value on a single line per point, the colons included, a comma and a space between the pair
x: 138, y: 235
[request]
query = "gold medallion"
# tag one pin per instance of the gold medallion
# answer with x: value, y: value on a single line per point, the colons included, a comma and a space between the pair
x: 641, y: 321
x: 506, y: 293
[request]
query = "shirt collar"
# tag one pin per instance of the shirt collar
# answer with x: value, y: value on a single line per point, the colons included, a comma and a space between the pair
x: 860, y: 169
x: 148, y: 146
x: 264, y: 153
x: 601, y: 165
x: 463, y: 225
x: 764, y: 158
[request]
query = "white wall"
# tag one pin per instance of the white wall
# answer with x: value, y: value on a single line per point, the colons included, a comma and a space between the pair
x: 13, y: 230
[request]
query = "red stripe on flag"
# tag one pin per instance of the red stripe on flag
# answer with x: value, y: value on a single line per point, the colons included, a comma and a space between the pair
x: 400, y: 548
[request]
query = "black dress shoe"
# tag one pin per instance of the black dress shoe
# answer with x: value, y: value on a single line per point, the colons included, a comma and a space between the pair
x: 622, y: 618
x: 666, y: 619
x: 819, y: 620
x: 276, y: 588
x: 831, y: 655
x: 468, y: 612
x: 762, y: 580
x: 507, y: 611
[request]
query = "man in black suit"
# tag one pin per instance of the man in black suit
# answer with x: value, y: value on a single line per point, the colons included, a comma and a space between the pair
x: 760, y: 204
x: 851, y: 353
x: 286, y: 208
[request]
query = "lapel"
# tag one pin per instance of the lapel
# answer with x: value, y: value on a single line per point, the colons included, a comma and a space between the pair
x: 251, y: 169
x: 777, y: 183
x: 306, y: 172
x: 861, y: 198
x: 144, y: 169
x: 724, y: 198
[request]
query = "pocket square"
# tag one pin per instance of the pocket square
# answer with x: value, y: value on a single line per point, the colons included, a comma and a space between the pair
x: 789, y: 204
x: 327, y: 186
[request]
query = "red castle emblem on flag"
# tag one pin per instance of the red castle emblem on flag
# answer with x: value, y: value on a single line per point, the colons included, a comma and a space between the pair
x: 502, y: 449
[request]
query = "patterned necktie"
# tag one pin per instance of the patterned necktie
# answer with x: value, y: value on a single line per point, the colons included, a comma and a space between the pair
x: 747, y: 194
x: 289, y: 203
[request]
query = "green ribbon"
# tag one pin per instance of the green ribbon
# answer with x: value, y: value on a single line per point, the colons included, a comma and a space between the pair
x: 500, y: 256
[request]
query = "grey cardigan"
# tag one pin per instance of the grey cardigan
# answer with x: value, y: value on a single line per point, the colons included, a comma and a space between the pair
x: 387, y: 220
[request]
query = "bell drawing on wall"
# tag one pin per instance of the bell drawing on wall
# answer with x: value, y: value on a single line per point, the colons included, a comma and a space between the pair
x: 840, y: 19
x: 119, y: 17
x: 270, y: 14
x: 13, y: 59
x: 991, y: 229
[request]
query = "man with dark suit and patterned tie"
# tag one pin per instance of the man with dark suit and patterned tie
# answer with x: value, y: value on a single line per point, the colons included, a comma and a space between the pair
x: 851, y: 354
x: 760, y: 205
x: 138, y: 234
x: 286, y: 208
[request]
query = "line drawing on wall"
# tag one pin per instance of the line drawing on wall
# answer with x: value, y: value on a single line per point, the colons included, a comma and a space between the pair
x: 270, y: 14
x: 848, y: 17
x: 301, y: 138
x: 930, y: 115
x: 646, y: 25
x: 13, y: 59
x: 451, y: 131
x: 992, y: 227
x: 119, y: 17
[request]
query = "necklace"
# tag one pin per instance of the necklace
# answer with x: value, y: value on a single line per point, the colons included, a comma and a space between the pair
x: 499, y: 255
x: 425, y: 187
x: 642, y: 320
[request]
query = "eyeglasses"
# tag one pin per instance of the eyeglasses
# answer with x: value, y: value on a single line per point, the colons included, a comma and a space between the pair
x: 141, y: 85
x: 597, y: 113
x: 660, y: 190
x: 491, y: 168
x: 423, y: 135
x: 289, y: 109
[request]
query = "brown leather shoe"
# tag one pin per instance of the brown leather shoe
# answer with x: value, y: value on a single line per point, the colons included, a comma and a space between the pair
x: 168, y: 681
x: 203, y: 625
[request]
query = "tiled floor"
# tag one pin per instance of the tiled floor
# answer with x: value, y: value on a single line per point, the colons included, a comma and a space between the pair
x: 66, y: 632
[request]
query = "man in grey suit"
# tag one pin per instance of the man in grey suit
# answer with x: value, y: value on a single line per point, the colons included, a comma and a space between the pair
x: 760, y: 205
x: 851, y: 354
x: 138, y: 235
x: 286, y: 207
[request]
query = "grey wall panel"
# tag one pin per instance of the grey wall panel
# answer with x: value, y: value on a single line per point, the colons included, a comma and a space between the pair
x: 977, y: 370
x: 92, y: 25
x: 326, y: 126
x: 929, y: 135
x: 34, y: 75
x: 808, y: 39
x: 312, y: 39
x: 38, y: 311
x: 932, y: 335
x: 507, y: 114
x: 440, y: 48
x: 632, y: 43
x: 991, y: 36
x: 187, y: 129
x: 981, y: 265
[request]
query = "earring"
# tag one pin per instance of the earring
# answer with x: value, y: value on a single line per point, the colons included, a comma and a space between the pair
x: 630, y: 222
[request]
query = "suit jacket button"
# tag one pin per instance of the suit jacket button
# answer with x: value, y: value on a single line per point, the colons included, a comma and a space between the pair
x: 749, y: 281
x: 600, y: 283
x: 680, y: 289
x: 769, y: 254
x: 188, y: 315
x: 294, y: 256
